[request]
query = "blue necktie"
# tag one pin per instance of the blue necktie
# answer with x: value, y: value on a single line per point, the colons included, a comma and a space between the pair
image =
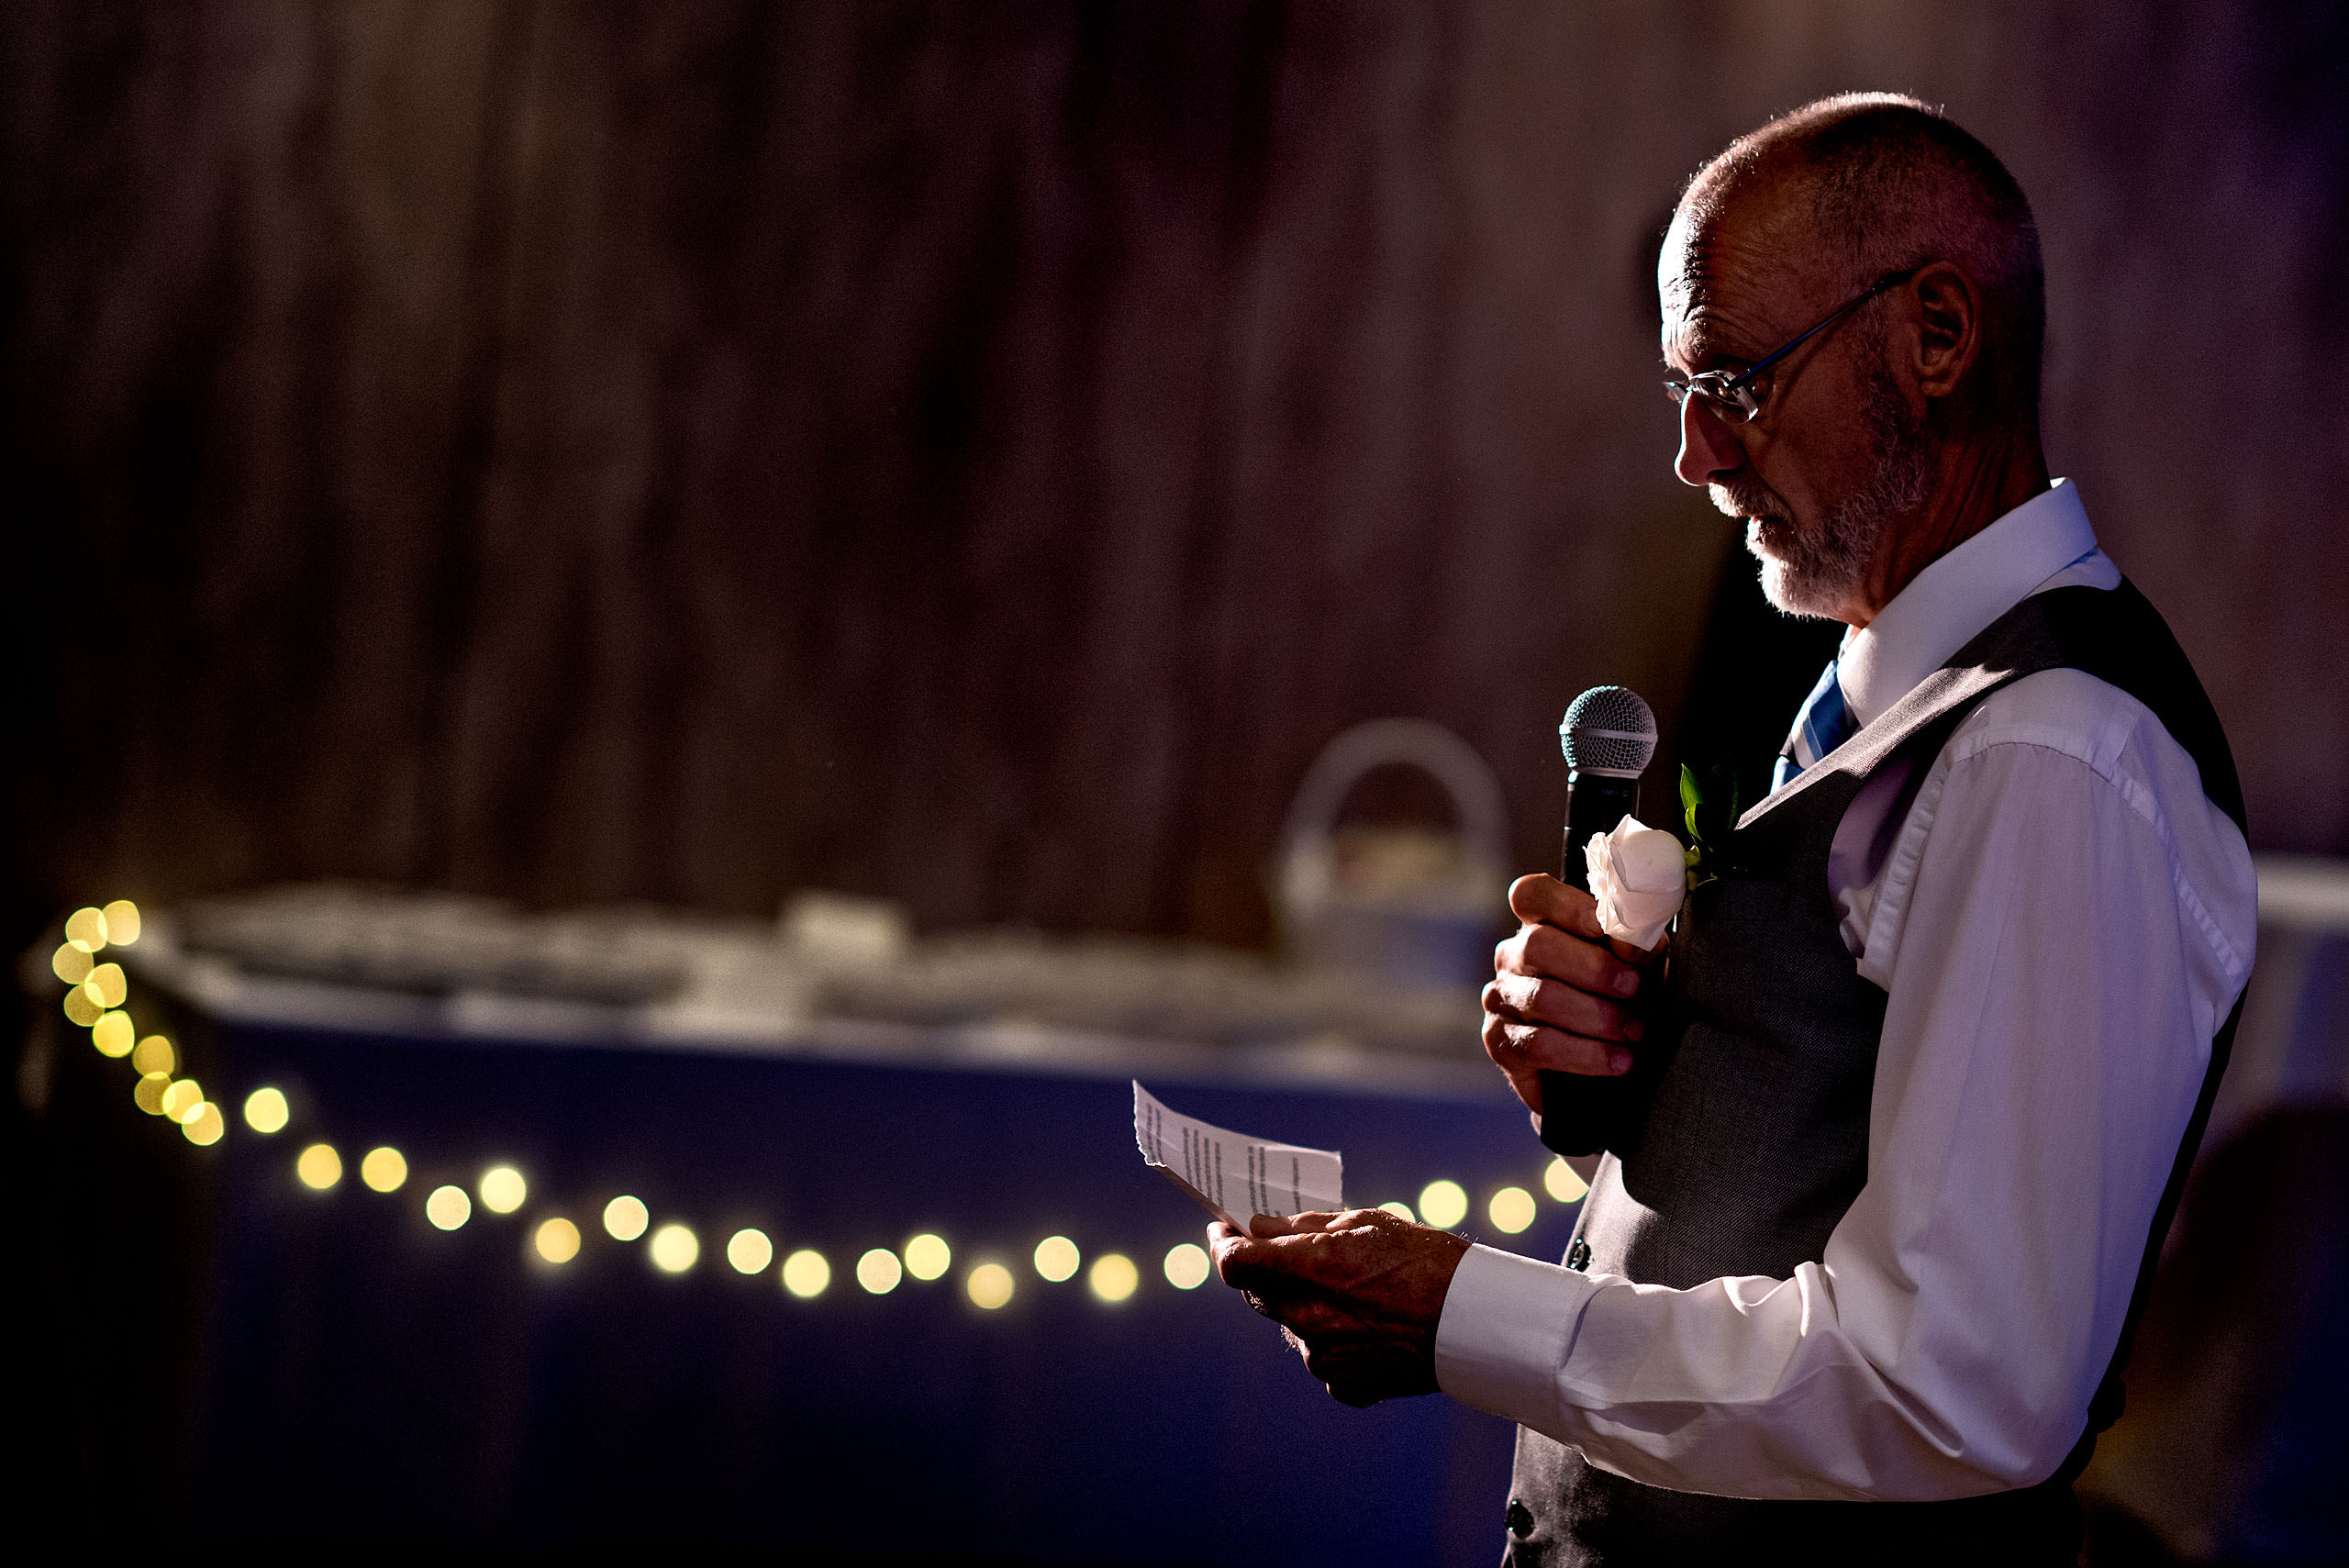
x: 1826, y: 722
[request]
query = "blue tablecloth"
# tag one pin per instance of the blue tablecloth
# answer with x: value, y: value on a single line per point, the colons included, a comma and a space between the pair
x: 363, y: 1373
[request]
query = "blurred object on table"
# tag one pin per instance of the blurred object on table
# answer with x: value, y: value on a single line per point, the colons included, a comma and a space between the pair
x: 431, y: 961
x: 1408, y: 907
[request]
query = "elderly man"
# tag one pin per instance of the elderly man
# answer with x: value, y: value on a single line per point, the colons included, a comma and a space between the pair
x: 1906, y: 1113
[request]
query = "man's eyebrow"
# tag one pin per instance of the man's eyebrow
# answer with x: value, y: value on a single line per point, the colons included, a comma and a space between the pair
x: 1698, y: 344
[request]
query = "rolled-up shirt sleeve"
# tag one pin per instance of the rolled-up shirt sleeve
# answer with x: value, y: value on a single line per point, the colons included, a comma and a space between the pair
x: 2066, y: 946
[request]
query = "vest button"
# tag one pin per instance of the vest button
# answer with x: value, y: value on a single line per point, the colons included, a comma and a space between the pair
x: 1520, y: 1519
x: 1578, y: 1255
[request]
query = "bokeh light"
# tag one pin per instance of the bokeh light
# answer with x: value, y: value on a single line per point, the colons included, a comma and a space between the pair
x: 148, y: 1093
x: 384, y: 1170
x: 83, y: 1006
x: 108, y: 985
x: 1444, y: 1203
x: 448, y: 1207
x: 71, y: 964
x: 179, y: 1096
x: 675, y: 1249
x: 113, y: 1035
x: 503, y: 1189
x: 1562, y: 1183
x: 1511, y: 1209
x: 1056, y: 1258
x: 154, y: 1054
x: 318, y: 1166
x: 122, y: 922
x: 1113, y: 1276
x: 86, y: 929
x: 878, y: 1271
x: 265, y: 1109
x: 989, y: 1285
x: 1187, y: 1266
x: 557, y: 1240
x: 804, y: 1273
x: 750, y: 1252
x: 928, y: 1256
x: 204, y: 1125
x: 1399, y: 1210
x: 625, y: 1217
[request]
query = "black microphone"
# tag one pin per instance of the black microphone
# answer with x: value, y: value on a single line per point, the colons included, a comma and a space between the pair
x: 1608, y: 737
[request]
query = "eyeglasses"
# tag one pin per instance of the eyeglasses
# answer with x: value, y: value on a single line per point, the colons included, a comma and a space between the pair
x: 1739, y: 399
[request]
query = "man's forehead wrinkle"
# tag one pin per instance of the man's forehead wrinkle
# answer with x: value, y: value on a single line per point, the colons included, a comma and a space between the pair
x: 1717, y: 300
x: 1769, y: 199
x: 1744, y: 265
x: 1714, y: 331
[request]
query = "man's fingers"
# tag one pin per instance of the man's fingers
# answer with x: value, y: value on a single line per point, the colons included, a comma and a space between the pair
x: 1530, y: 1025
x: 1523, y: 1048
x: 1273, y: 1265
x: 1267, y: 1226
x: 1324, y: 1252
x: 1529, y: 999
x: 1233, y: 1254
x: 1546, y: 901
x: 1547, y: 952
x: 1524, y: 1078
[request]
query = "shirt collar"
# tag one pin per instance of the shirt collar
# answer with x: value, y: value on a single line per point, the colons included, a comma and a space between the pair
x: 1951, y: 600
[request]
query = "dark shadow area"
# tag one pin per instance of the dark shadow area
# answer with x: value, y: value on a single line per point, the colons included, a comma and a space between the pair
x: 2232, y: 1448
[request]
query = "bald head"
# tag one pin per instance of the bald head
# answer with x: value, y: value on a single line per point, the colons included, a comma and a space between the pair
x: 1861, y: 184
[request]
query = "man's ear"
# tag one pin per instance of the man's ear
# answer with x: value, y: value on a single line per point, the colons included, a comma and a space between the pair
x: 1945, y: 306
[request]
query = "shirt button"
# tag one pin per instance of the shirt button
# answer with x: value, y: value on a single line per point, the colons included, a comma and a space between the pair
x: 1578, y: 1255
x: 1520, y: 1519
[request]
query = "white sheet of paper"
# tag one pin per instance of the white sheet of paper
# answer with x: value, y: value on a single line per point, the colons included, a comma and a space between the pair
x: 1232, y: 1175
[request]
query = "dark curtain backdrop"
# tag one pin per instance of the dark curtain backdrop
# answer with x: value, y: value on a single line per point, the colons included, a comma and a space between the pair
x: 978, y: 453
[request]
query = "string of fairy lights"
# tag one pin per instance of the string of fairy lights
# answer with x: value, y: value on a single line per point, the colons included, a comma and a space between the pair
x: 97, y: 992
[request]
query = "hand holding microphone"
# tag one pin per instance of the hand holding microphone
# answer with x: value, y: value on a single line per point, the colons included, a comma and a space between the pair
x: 1560, y: 1020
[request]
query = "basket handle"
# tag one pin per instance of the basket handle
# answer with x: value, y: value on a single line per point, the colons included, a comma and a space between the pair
x: 1421, y: 743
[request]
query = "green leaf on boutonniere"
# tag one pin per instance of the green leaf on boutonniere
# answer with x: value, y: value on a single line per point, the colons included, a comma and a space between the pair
x: 1711, y: 808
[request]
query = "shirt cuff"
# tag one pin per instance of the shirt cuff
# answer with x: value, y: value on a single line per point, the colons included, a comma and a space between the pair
x: 1507, y: 1326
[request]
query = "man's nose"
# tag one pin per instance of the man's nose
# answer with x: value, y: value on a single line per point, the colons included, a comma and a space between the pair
x: 1707, y: 451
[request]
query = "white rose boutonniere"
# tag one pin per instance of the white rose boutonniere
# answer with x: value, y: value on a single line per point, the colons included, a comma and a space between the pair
x: 1638, y: 874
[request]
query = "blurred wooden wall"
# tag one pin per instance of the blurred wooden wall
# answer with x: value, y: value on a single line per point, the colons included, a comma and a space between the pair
x: 979, y: 453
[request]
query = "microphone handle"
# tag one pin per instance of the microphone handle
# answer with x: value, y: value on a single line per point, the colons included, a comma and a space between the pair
x: 1581, y: 1112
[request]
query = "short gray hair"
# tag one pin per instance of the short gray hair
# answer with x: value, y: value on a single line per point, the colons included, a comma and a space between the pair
x: 1892, y: 181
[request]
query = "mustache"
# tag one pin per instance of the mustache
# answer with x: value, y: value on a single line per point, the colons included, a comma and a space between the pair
x: 1747, y: 497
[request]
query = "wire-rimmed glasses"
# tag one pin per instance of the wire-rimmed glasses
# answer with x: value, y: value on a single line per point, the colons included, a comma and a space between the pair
x: 1738, y: 399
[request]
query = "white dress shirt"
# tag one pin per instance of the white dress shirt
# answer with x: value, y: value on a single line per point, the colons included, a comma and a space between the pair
x: 2060, y: 920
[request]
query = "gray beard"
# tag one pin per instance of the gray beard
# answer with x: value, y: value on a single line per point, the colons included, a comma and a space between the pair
x: 1819, y: 573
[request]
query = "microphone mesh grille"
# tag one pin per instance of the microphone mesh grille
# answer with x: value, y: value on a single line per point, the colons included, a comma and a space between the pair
x: 1608, y: 730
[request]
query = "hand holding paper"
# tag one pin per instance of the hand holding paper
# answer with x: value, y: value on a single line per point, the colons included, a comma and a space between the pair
x: 1358, y: 1293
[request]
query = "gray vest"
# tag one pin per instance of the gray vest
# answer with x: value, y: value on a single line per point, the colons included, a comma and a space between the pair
x: 1745, y: 1137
